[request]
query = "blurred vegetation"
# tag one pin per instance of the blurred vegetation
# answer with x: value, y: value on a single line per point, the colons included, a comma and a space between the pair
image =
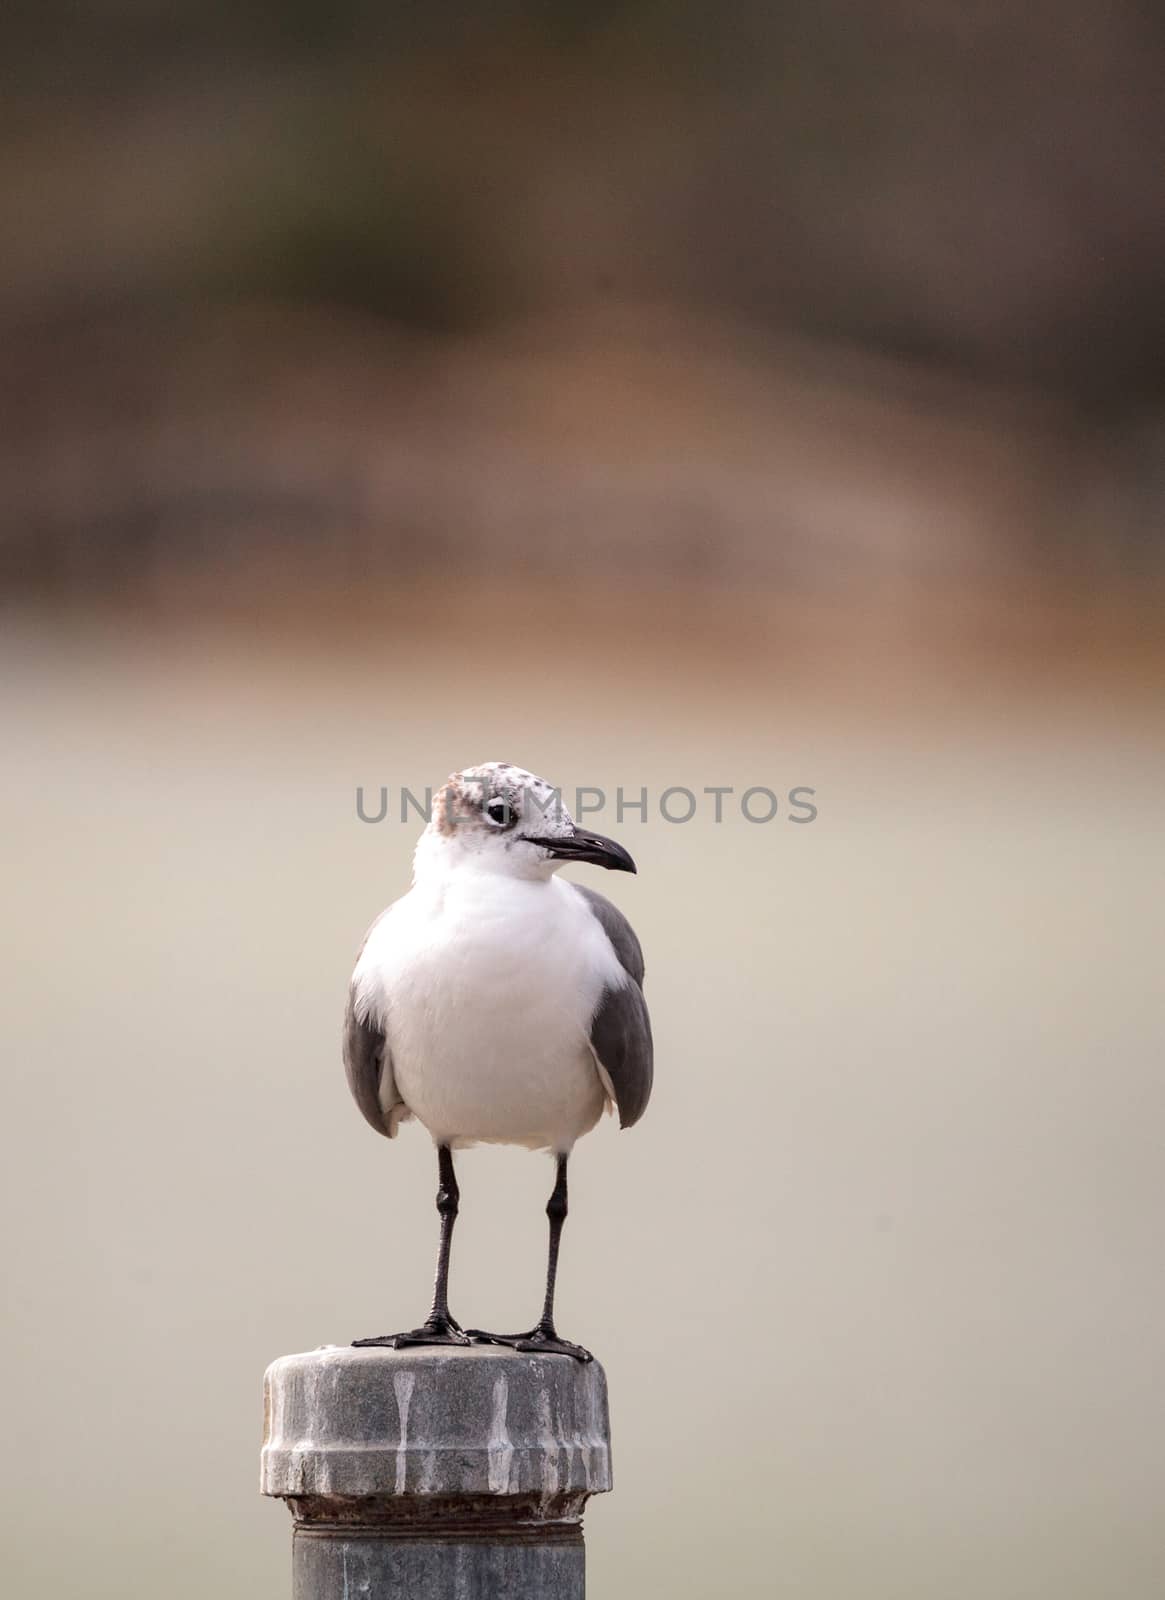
x: 973, y: 194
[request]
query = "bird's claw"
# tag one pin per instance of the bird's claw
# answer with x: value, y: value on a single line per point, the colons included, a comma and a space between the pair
x: 536, y: 1341
x: 438, y: 1330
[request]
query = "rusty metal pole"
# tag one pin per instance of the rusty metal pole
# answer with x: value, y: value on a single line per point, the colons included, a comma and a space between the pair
x: 431, y: 1472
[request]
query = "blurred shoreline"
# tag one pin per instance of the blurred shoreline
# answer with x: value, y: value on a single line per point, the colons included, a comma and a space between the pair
x: 277, y: 461
x: 946, y: 651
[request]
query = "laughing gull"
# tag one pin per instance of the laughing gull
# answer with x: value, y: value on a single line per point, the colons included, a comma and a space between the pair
x: 499, y: 1004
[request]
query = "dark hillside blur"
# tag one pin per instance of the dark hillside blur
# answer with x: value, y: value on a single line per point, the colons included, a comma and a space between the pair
x: 808, y: 295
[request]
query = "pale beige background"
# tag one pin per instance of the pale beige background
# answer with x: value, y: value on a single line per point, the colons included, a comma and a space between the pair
x: 876, y: 1281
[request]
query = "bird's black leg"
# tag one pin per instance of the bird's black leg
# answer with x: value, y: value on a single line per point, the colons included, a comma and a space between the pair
x: 438, y: 1327
x: 543, y: 1337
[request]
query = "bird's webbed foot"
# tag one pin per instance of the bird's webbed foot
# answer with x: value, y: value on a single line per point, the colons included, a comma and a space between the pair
x: 540, y: 1341
x: 436, y: 1330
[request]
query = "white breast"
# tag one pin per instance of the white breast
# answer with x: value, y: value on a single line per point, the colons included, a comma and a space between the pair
x: 485, y: 988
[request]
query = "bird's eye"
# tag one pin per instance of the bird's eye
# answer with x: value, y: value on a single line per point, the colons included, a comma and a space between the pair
x: 500, y: 813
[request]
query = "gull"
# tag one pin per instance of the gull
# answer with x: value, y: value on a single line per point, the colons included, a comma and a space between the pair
x: 499, y: 1004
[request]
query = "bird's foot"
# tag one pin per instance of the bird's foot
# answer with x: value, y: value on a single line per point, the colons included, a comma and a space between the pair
x: 539, y: 1341
x: 437, y: 1330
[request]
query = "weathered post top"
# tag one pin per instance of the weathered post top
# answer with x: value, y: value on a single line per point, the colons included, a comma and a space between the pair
x: 433, y: 1471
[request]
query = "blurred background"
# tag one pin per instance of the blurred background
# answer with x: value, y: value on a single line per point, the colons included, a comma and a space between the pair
x: 650, y: 395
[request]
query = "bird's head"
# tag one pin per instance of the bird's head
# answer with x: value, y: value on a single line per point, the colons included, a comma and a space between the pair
x: 500, y: 818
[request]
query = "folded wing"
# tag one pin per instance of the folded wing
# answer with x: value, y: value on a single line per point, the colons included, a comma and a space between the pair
x: 368, y: 1065
x: 621, y: 1028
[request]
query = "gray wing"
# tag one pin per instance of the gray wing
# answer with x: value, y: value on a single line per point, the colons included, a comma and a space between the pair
x: 368, y: 1065
x: 621, y: 1027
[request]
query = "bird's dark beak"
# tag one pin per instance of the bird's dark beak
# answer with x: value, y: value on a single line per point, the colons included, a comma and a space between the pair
x: 583, y: 845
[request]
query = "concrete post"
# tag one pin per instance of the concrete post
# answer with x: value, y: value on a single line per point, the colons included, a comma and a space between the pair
x: 435, y: 1473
